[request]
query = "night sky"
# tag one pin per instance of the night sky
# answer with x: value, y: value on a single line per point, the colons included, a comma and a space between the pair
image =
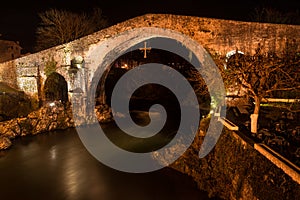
x: 18, y: 21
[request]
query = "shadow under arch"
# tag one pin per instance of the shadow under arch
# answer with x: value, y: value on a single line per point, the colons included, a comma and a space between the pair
x: 55, y: 88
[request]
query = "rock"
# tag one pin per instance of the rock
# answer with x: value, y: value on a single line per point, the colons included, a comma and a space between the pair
x: 14, y: 103
x: 7, y: 132
x: 52, y: 126
x: 47, y: 118
x: 5, y: 143
x: 33, y: 122
x: 32, y: 115
x: 54, y: 117
x: 103, y: 113
x: 42, y: 126
x: 15, y: 127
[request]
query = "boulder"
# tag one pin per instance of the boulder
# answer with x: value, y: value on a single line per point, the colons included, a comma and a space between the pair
x: 5, y: 143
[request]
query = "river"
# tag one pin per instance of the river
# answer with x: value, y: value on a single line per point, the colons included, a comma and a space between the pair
x: 56, y: 166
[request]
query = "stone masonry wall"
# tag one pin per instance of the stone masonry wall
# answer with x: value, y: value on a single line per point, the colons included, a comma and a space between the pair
x: 235, y: 170
x: 8, y: 74
x: 215, y: 35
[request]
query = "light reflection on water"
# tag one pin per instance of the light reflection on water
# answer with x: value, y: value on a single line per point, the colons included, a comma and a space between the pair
x: 57, y: 166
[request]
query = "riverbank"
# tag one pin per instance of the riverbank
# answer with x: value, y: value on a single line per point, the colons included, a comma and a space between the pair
x: 51, y: 116
x: 234, y: 170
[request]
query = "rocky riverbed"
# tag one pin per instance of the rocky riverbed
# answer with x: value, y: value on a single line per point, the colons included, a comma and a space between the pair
x: 51, y: 116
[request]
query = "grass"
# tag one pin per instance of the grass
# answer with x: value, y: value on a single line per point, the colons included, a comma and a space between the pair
x: 293, y: 107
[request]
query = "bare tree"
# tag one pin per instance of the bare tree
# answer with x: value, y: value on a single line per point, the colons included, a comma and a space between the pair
x: 260, y: 75
x: 61, y: 26
x: 200, y: 88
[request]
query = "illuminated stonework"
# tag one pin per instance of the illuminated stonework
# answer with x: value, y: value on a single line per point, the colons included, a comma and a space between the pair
x: 216, y: 35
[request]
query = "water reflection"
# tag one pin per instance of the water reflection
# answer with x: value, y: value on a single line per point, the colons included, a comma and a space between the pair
x: 57, y: 166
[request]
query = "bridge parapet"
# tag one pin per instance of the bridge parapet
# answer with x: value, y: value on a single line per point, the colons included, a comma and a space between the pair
x: 215, y: 35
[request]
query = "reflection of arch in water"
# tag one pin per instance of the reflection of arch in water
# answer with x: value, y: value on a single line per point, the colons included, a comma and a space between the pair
x: 56, y: 88
x: 229, y: 54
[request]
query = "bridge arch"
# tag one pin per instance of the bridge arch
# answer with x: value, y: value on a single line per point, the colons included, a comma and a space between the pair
x: 102, y: 56
x: 55, y: 88
x: 230, y: 54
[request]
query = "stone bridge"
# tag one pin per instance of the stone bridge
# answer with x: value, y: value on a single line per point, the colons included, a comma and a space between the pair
x: 82, y: 62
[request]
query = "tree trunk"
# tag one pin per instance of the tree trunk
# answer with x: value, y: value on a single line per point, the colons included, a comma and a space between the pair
x: 254, y: 116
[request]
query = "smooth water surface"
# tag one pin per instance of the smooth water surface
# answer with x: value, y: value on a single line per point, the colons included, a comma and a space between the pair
x: 57, y: 166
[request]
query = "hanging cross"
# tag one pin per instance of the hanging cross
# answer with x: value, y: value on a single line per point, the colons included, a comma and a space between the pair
x: 145, y: 49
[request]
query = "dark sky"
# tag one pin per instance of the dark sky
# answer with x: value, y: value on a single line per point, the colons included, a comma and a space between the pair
x: 18, y: 21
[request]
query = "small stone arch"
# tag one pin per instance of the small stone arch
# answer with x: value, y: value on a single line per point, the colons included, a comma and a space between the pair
x: 55, y: 88
x: 230, y: 54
